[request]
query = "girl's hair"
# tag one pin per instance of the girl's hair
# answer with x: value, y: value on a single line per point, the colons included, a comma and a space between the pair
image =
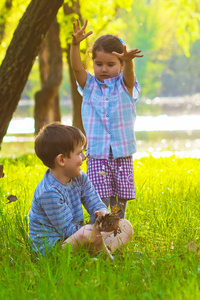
x: 55, y: 139
x: 107, y: 43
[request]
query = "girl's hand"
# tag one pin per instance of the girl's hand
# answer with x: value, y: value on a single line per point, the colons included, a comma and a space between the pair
x: 128, y: 55
x: 79, y: 34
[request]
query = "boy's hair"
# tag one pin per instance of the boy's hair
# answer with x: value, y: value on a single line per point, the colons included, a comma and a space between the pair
x: 107, y: 43
x: 55, y: 139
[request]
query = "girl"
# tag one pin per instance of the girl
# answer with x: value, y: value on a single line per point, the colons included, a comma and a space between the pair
x: 108, y: 114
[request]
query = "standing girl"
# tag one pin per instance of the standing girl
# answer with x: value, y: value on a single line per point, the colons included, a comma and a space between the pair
x: 108, y: 114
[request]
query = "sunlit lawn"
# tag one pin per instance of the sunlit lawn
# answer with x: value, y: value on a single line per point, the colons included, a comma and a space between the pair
x: 165, y: 218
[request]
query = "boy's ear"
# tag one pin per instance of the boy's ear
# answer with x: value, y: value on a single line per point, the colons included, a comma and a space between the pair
x: 60, y: 159
x: 122, y: 65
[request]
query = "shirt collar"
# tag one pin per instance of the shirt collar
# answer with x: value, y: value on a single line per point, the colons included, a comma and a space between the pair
x: 52, y: 179
x: 108, y: 81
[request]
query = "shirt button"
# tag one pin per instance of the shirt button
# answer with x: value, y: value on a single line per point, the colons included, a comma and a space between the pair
x: 107, y: 115
x: 107, y: 99
x: 109, y: 132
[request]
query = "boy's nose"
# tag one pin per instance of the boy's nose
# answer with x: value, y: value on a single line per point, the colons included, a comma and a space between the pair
x: 83, y: 157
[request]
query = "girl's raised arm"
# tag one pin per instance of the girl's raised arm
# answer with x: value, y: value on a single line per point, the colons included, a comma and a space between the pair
x: 128, y: 66
x: 75, y: 56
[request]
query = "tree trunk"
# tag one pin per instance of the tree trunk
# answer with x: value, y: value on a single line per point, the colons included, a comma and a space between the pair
x: 21, y: 54
x: 76, y: 97
x: 47, y: 99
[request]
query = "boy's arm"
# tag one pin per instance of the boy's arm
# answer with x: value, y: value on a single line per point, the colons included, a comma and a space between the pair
x: 58, y: 213
x: 75, y: 56
x: 128, y: 66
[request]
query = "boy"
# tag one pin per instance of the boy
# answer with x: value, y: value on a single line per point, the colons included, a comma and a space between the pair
x: 56, y: 213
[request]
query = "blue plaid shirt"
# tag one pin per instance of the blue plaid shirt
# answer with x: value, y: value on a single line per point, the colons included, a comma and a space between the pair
x: 56, y: 211
x: 108, y: 114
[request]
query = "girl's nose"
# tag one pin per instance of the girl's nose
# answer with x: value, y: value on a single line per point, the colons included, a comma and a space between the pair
x: 104, y: 68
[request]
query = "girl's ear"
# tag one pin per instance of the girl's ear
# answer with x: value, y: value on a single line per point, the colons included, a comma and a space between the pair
x: 60, y: 159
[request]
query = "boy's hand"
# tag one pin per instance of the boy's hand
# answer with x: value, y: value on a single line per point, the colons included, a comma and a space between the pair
x: 79, y: 34
x: 100, y: 214
x: 128, y: 55
x: 107, y: 222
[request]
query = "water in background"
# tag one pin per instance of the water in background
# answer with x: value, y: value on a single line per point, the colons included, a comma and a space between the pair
x: 164, y: 126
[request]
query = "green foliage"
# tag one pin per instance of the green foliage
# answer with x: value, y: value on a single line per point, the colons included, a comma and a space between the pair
x: 10, y: 18
x: 146, y: 30
x: 187, y: 15
x: 155, y: 27
x: 165, y: 218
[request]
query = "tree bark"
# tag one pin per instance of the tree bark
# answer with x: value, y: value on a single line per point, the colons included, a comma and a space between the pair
x: 21, y: 54
x: 47, y: 99
x: 76, y: 97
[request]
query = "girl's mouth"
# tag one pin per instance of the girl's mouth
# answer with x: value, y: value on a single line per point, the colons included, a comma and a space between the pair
x: 105, y: 76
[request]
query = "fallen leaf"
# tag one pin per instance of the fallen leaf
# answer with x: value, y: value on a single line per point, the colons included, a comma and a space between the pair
x: 115, y: 209
x: 11, y: 198
x: 1, y: 171
x: 103, y: 173
x: 172, y: 245
x: 192, y: 247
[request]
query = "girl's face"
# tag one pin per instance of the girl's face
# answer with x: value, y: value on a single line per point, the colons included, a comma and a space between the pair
x: 106, y: 65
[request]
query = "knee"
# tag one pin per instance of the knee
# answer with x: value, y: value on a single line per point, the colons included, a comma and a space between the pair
x: 126, y: 227
x: 89, y: 236
x: 85, y: 235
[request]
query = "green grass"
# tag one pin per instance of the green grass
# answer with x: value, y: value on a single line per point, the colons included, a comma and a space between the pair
x: 165, y: 218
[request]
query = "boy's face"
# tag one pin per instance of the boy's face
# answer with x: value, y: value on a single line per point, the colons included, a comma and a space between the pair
x: 73, y: 163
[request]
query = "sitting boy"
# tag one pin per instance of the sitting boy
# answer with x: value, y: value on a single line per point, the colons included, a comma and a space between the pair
x: 56, y: 212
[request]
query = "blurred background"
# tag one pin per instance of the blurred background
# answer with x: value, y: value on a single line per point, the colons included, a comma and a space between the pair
x: 167, y: 32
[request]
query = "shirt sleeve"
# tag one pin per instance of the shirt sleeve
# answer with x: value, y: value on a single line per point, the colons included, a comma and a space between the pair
x: 136, y: 90
x: 90, y: 198
x: 58, y: 213
x: 80, y: 90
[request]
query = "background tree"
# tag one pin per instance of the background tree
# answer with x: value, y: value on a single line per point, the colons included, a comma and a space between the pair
x: 21, y: 54
x: 47, y: 109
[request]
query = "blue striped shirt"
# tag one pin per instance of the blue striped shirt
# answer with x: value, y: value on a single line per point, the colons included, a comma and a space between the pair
x: 56, y: 211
